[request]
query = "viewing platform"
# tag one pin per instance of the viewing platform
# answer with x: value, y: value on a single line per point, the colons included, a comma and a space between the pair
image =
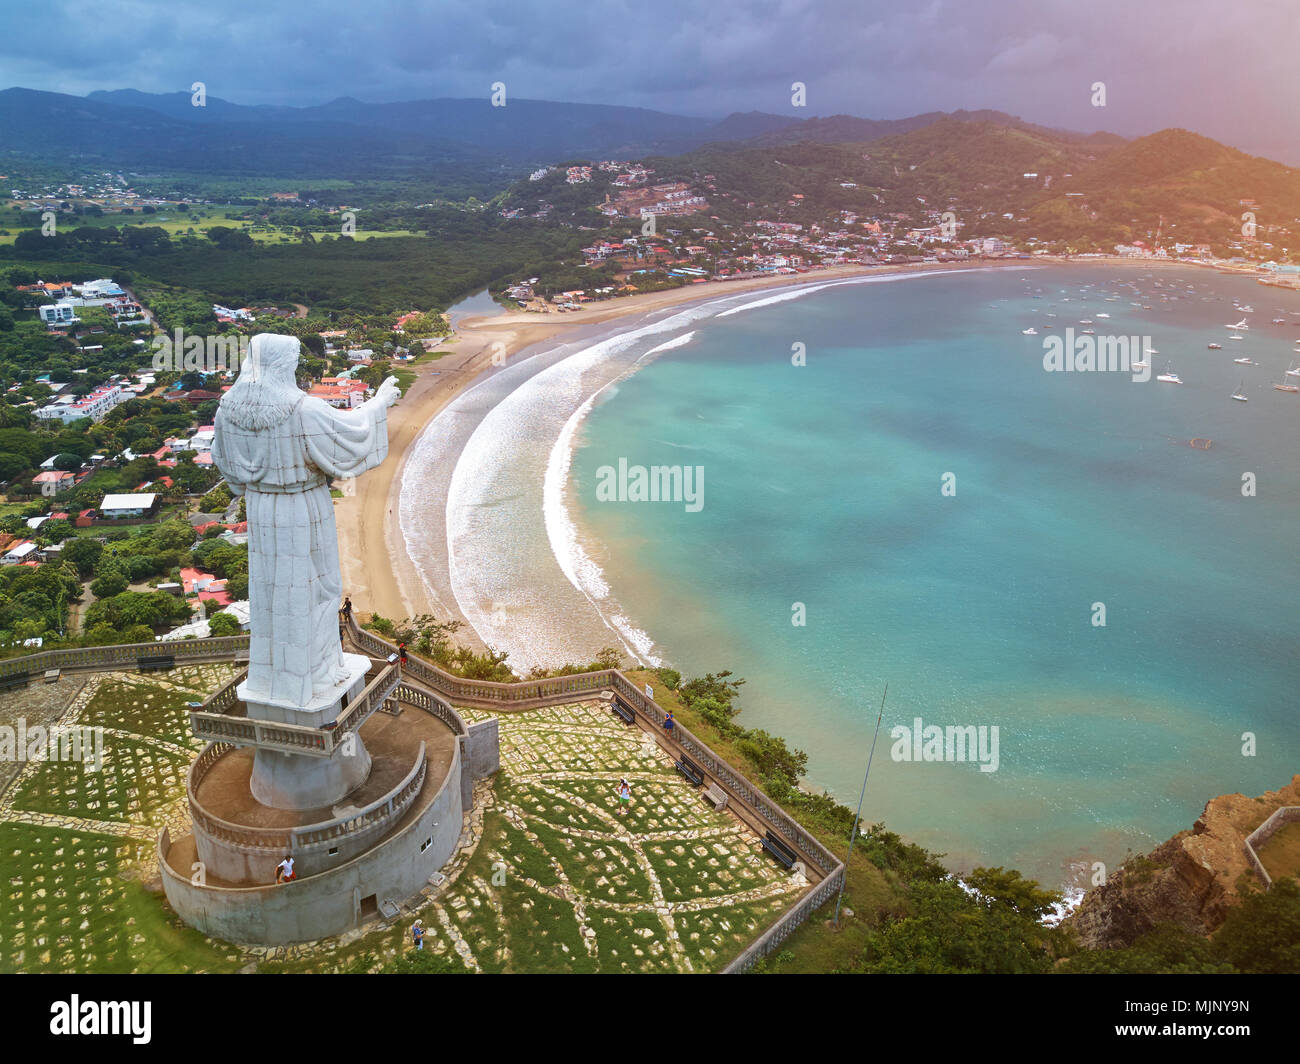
x: 240, y: 840
x: 224, y: 718
x: 379, y: 844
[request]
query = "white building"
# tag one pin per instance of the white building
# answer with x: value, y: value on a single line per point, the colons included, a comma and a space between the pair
x: 200, y: 629
x: 59, y: 314
x: 132, y: 505
x: 94, y: 406
x: 22, y: 552
x: 202, y: 439
x: 104, y: 288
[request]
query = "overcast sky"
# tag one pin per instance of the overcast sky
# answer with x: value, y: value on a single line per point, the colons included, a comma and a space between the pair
x: 1230, y: 70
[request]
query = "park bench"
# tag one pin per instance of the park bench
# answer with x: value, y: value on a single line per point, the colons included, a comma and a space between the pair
x: 779, y: 850
x: 690, y: 770
x: 716, y: 796
x: 621, y: 710
x: 156, y: 662
x: 13, y: 680
x: 52, y: 675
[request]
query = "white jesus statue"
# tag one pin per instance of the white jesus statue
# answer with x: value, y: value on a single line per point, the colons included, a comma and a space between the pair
x: 279, y: 447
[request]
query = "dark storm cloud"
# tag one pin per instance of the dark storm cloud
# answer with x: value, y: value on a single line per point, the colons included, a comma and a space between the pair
x: 1227, y: 70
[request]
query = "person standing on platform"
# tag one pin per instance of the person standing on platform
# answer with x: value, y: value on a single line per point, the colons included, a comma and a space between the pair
x: 284, y: 870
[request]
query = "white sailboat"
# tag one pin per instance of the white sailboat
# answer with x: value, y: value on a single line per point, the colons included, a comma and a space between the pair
x: 1240, y: 395
x: 1169, y: 376
x: 1287, y: 386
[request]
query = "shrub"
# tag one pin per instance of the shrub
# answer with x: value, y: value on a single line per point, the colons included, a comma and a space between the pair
x: 670, y: 678
x: 223, y: 624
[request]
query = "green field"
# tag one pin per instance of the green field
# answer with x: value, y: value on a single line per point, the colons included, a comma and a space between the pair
x: 195, y: 220
x: 553, y: 876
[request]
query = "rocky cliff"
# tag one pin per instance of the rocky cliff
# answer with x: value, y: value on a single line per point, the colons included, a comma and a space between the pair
x: 1191, y: 880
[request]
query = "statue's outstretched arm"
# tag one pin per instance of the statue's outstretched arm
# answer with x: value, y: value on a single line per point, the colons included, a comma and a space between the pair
x: 387, y: 393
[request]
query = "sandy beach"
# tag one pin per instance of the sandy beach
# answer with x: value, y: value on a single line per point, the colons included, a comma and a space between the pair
x: 377, y: 571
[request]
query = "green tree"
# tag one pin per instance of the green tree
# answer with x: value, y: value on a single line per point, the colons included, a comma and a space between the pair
x: 1262, y: 934
x: 83, y: 554
x: 949, y: 931
x: 110, y: 578
x: 223, y: 624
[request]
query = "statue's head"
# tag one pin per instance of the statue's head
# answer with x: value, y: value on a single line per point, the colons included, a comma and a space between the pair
x: 267, y: 389
x: 271, y: 358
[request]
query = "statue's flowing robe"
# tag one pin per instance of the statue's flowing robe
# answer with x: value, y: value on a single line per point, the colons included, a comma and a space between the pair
x: 294, y: 587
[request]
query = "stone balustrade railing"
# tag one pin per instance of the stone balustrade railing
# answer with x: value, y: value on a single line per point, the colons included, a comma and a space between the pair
x: 485, y: 694
x: 373, y: 818
x: 558, y: 689
x: 225, y: 697
x: 216, y: 721
x: 366, y: 703
x: 272, y: 735
x: 787, y: 923
x: 263, y: 840
x: 385, y: 810
x: 433, y: 705
x: 1287, y: 814
x: 126, y: 655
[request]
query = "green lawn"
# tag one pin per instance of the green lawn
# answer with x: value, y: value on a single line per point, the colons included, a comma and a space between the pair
x: 178, y: 221
x: 1281, y: 854
x: 872, y: 895
x: 559, y: 881
x: 74, y: 903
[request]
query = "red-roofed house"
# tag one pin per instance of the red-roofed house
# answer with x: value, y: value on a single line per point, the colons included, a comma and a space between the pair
x: 216, y: 592
x: 194, y: 580
x: 339, y: 396
x: 53, y: 481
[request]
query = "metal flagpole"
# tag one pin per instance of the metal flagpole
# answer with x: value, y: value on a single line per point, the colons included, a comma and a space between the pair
x: 858, y: 816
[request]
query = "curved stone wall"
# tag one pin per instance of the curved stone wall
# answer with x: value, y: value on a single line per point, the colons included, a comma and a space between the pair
x: 330, y: 902
x: 238, y: 853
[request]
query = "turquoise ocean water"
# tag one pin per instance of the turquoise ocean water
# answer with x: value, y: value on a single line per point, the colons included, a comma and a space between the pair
x: 822, y: 487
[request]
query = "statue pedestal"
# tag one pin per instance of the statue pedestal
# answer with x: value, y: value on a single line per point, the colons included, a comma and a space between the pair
x: 321, y: 710
x: 297, y: 781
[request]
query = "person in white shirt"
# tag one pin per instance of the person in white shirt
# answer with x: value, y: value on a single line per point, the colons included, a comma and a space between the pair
x: 284, y: 870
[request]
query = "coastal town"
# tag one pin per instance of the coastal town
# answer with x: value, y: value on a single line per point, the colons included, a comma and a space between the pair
x: 358, y: 398
x: 112, y: 349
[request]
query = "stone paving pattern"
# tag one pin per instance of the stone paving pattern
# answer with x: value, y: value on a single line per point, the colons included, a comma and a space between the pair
x: 548, y: 875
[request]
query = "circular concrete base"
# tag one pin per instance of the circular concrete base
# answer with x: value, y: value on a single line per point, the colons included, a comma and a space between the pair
x: 294, y: 781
